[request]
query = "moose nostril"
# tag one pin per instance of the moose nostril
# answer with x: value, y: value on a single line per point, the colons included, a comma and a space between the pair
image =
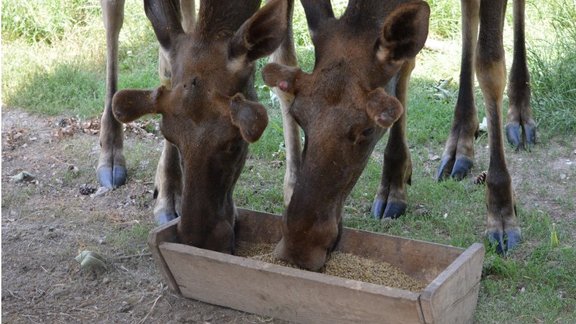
x: 194, y: 81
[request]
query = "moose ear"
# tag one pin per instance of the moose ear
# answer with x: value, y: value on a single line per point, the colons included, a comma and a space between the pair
x: 281, y: 76
x: 383, y: 108
x: 404, y: 32
x: 260, y: 35
x: 129, y: 105
x: 250, y: 117
x: 165, y: 20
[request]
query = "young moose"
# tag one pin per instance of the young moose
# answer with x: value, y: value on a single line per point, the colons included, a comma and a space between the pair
x: 208, y: 112
x: 356, y: 91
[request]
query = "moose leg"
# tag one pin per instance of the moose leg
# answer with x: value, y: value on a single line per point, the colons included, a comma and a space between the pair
x: 391, y: 198
x: 168, y: 183
x: 502, y: 225
x: 520, y: 127
x: 111, y: 170
x: 458, y: 157
x: 286, y: 55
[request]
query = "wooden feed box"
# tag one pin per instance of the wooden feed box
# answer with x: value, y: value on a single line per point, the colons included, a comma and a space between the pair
x: 452, y: 274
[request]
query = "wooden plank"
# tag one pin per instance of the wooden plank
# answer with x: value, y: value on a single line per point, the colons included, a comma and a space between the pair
x: 285, y: 293
x: 422, y: 260
x: 164, y: 233
x: 453, y: 295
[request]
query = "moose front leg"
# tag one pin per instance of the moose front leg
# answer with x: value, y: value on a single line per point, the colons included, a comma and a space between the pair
x: 168, y: 185
x: 111, y: 170
x: 502, y: 224
x: 286, y: 55
x: 391, y: 199
x: 520, y: 127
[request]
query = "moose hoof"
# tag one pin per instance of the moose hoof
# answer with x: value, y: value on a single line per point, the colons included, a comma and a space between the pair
x: 163, y: 218
x: 392, y: 210
x: 514, y: 135
x: 395, y: 210
x: 513, y: 238
x: 496, y: 239
x: 378, y: 208
x: 461, y: 168
x: 443, y: 169
x: 530, y: 132
x: 111, y: 177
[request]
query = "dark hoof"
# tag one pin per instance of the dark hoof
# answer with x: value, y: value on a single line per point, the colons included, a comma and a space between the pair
x: 444, y: 168
x: 514, y: 135
x: 378, y: 208
x: 111, y: 177
x: 496, y: 239
x: 461, y: 168
x: 513, y: 238
x: 530, y: 132
x: 164, y: 218
x: 395, y: 210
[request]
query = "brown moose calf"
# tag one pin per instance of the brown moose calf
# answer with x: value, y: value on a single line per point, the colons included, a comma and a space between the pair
x: 208, y: 110
x: 355, y: 93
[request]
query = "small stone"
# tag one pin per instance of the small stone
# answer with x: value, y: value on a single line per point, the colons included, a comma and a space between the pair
x: 74, y: 169
x: 100, y: 192
x: 124, y: 308
x: 91, y: 260
x: 23, y: 176
x: 563, y: 176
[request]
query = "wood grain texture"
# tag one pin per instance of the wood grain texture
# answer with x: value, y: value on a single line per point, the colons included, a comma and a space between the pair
x: 164, y: 233
x: 453, y: 295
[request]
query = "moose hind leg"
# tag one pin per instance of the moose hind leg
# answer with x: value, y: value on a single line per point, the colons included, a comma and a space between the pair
x: 458, y: 156
x: 520, y: 127
x: 111, y: 169
x: 502, y: 224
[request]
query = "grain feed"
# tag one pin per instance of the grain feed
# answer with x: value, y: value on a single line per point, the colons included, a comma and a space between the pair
x: 343, y: 265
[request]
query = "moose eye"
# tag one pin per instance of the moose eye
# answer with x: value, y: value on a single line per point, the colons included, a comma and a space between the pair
x: 368, y: 131
x: 232, y: 148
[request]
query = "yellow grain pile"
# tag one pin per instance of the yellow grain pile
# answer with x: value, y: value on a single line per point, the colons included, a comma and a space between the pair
x: 343, y: 265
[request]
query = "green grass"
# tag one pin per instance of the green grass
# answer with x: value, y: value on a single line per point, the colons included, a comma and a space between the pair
x: 55, y: 66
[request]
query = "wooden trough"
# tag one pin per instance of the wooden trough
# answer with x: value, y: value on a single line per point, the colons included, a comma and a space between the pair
x: 452, y: 274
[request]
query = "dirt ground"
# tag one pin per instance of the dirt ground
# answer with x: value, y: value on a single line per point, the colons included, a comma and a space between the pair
x: 52, y: 214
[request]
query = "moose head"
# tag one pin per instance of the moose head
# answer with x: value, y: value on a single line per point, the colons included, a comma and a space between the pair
x: 344, y: 109
x: 208, y: 112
